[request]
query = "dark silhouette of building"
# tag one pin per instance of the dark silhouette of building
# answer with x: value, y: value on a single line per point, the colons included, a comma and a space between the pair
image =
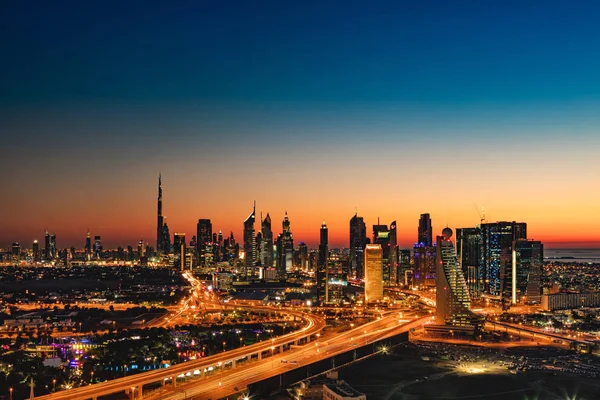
x: 425, y: 235
x: 204, y: 236
x: 358, y: 241
x: 250, y: 244
x: 160, y: 221
x: 468, y: 251
x: 266, y: 246
x: 322, y: 271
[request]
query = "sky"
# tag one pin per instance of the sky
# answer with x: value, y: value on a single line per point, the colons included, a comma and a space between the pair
x: 322, y: 109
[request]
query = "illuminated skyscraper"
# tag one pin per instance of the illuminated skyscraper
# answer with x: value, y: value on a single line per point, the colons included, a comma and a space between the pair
x: 381, y: 235
x: 424, y: 266
x: 358, y: 241
x: 495, y: 267
x: 53, y: 252
x: 160, y: 221
x: 141, y: 250
x: 266, y: 248
x: 322, y: 271
x: 286, y: 248
x: 468, y: 251
x: 88, y: 246
x: 373, y: 273
x: 393, y: 256
x: 452, y: 295
x: 528, y: 259
x: 303, y: 255
x: 16, y: 250
x: 250, y: 244
x: 425, y: 235
x: 203, y: 240
x: 36, y: 251
x: 179, y: 247
x: 97, y: 247
x: 47, y: 249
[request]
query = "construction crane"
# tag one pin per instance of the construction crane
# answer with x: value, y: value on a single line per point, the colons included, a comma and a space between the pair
x: 481, y: 212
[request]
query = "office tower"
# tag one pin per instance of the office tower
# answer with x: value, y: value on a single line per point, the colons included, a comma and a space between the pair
x: 88, y: 247
x: 53, y: 252
x: 468, y: 251
x: 528, y: 260
x: 141, y: 250
x: 303, y: 256
x: 259, y: 239
x: 250, y: 244
x: 358, y: 241
x: 393, y: 256
x: 267, y: 242
x: 381, y: 236
x: 179, y: 250
x: 203, y: 242
x: 97, y: 247
x: 165, y: 245
x: 47, y: 246
x: 495, y: 267
x: 16, y: 250
x: 322, y: 271
x: 160, y: 222
x: 425, y: 235
x: 424, y: 266
x: 405, y: 273
x: 373, y: 273
x: 286, y: 253
x: 452, y: 295
x: 36, y: 251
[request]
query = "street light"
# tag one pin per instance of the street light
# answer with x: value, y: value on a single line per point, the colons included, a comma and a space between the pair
x: 10, y: 390
x: 92, y: 377
x: 53, y: 385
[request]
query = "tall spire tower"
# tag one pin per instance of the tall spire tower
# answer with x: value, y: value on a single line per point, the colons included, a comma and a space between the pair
x: 159, y: 225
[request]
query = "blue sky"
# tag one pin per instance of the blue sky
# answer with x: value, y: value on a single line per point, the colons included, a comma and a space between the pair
x: 309, y: 98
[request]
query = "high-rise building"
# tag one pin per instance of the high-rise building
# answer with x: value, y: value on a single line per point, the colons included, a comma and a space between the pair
x: 160, y: 222
x: 425, y: 235
x: 424, y: 266
x: 393, y: 256
x: 97, y: 247
x: 373, y: 273
x: 266, y: 246
x: 88, y: 247
x: 303, y: 256
x: 495, y: 267
x: 286, y: 250
x: 528, y: 258
x: 468, y: 251
x: 250, y: 244
x: 16, y: 250
x: 166, y: 239
x: 203, y: 241
x: 452, y: 295
x: 381, y: 236
x: 141, y: 250
x: 405, y: 273
x: 322, y: 271
x: 358, y: 241
x: 179, y: 247
x: 47, y: 249
x: 53, y: 251
x: 36, y: 251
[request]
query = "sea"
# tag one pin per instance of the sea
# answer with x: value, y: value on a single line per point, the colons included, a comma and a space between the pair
x: 591, y: 255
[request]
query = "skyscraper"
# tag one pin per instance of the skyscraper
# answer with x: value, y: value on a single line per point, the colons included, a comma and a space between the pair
x: 322, y: 271
x: 160, y: 222
x: 373, y: 273
x: 97, y: 247
x: 250, y: 244
x: 53, y: 252
x: 16, y: 250
x: 468, y: 251
x: 267, y: 242
x: 47, y: 246
x: 203, y: 240
x: 88, y: 246
x: 381, y: 236
x: 358, y: 241
x: 303, y: 255
x: 495, y: 267
x: 425, y: 235
x: 179, y: 247
x: 393, y: 256
x: 528, y: 259
x: 286, y: 253
x: 452, y: 295
x: 36, y: 251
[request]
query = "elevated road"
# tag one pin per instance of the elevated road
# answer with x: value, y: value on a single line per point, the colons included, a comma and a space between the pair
x: 231, y: 359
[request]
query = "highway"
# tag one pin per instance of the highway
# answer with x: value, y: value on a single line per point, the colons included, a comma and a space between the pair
x: 230, y: 382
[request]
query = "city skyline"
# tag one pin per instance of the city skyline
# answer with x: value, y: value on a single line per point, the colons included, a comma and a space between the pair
x: 439, y: 107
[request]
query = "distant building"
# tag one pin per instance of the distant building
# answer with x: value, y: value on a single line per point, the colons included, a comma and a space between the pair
x: 528, y: 258
x: 266, y: 246
x: 36, y: 251
x: 16, y: 249
x: 179, y: 247
x: 452, y: 295
x: 424, y: 266
x: 381, y: 236
x: 358, y: 241
x: 204, y: 236
x: 160, y: 221
x: 97, y: 247
x: 569, y: 301
x: 424, y: 234
x: 250, y: 244
x: 303, y: 256
x: 373, y: 273
x: 340, y: 390
x: 393, y: 256
x: 322, y: 267
x: 88, y: 247
x: 468, y: 251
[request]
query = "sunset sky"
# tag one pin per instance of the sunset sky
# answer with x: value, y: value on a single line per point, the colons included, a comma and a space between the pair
x: 393, y: 109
